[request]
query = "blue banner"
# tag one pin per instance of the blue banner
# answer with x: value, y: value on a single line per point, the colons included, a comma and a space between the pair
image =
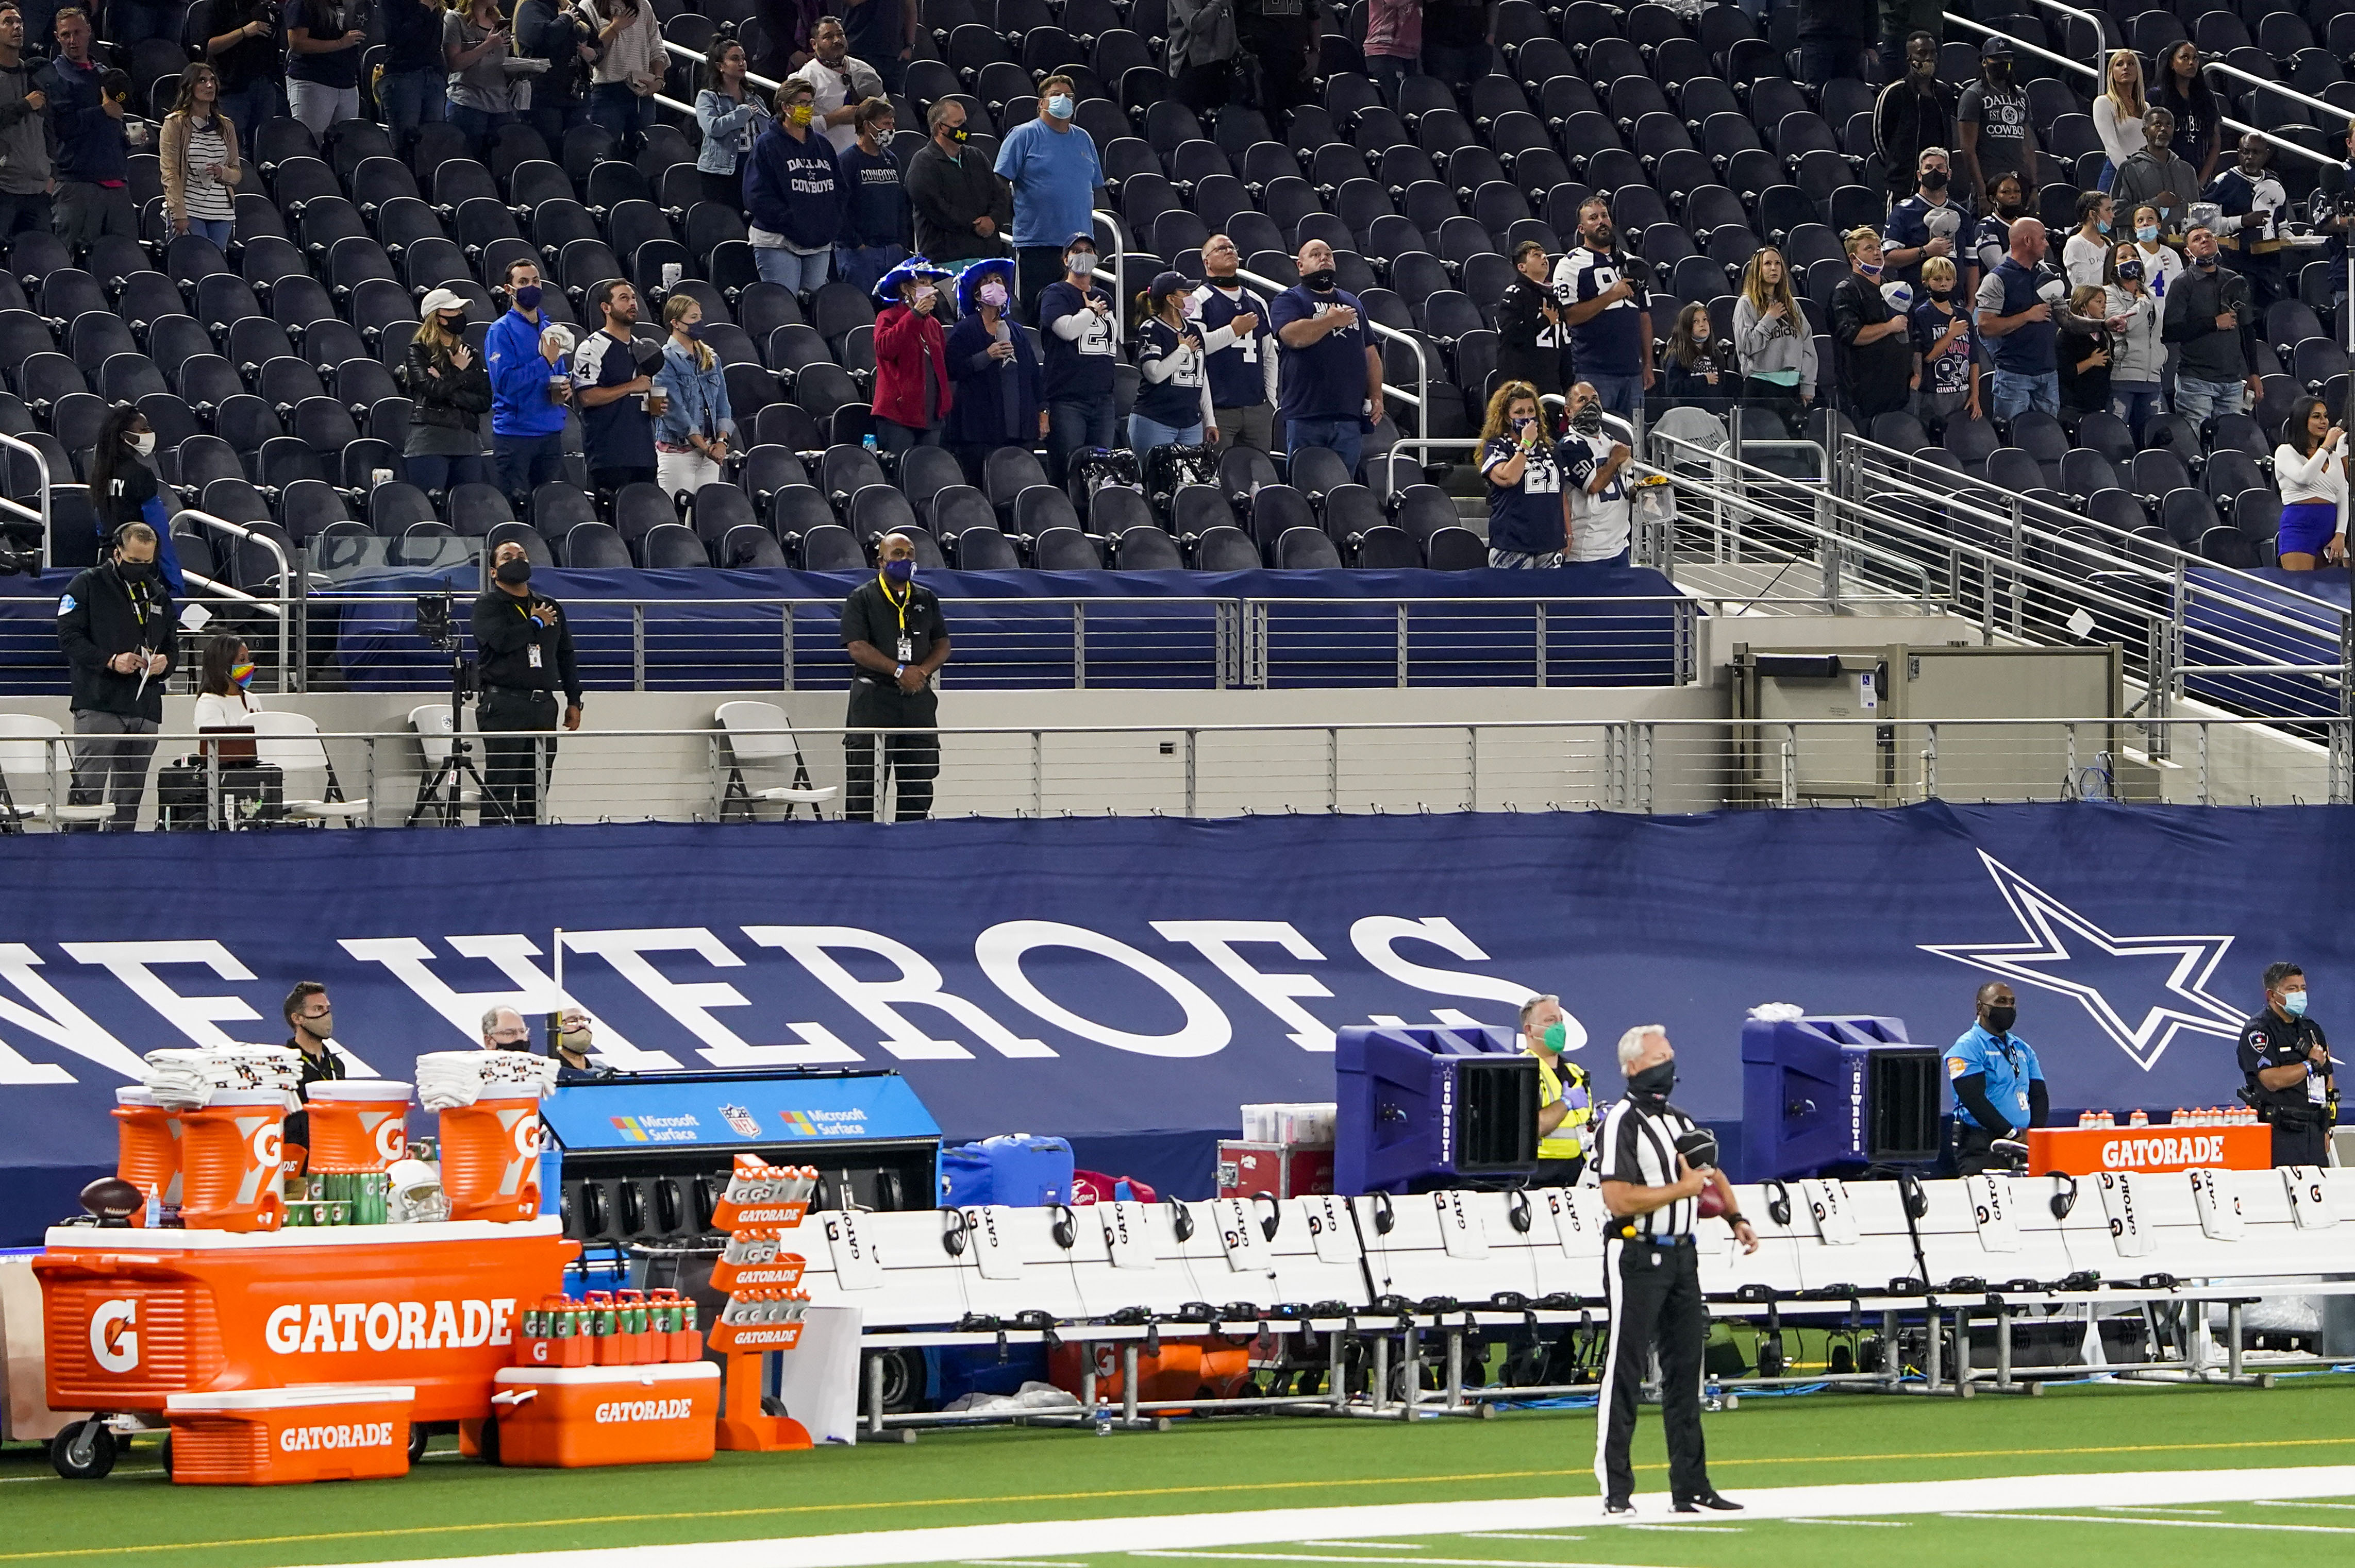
x: 1128, y: 983
x: 643, y: 1110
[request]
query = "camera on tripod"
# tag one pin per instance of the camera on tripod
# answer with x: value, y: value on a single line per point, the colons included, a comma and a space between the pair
x: 444, y: 792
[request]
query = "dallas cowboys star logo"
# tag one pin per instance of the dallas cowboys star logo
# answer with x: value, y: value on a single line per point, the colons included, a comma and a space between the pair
x: 2043, y: 961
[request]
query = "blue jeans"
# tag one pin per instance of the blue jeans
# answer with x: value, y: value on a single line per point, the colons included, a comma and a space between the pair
x: 249, y: 108
x: 216, y: 229
x: 1388, y: 71
x: 439, y: 474
x: 863, y: 266
x: 2016, y: 392
x: 2195, y: 401
x: 618, y: 109
x: 1620, y: 395
x: 803, y: 274
x: 2109, y: 172
x: 1144, y: 434
x: 524, y: 463
x: 1072, y: 426
x: 478, y: 125
x: 1345, y: 437
x: 2136, y: 402
x: 410, y: 98
x: 18, y: 213
x: 894, y: 437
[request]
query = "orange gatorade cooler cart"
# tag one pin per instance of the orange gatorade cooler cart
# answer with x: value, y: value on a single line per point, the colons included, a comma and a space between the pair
x: 147, y: 1148
x: 229, y: 1152
x: 273, y: 1437
x: 664, y: 1414
x: 357, y: 1124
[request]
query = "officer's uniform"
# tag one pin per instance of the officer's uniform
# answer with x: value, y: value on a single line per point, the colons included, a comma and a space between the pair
x: 2009, y: 1066
x: 324, y: 1067
x: 903, y: 624
x: 1562, y: 1153
x: 1651, y: 1274
x: 2299, y: 1115
x: 524, y: 663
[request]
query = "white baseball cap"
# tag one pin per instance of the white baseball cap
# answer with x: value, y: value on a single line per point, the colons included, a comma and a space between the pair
x: 440, y: 301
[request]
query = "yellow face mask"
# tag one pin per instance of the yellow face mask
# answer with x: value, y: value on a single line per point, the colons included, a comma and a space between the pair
x: 801, y: 114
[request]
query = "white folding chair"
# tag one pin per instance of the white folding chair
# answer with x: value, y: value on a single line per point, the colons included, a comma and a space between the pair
x: 27, y: 744
x: 290, y: 743
x: 761, y: 739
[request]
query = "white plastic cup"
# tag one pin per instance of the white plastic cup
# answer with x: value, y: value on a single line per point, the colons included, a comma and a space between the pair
x: 671, y: 273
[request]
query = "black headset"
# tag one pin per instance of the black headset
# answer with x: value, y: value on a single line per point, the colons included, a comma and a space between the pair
x: 954, y: 1226
x: 1517, y: 1210
x: 1180, y: 1221
x: 1066, y: 1227
x: 1384, y: 1217
x: 2065, y: 1197
x: 1778, y: 1203
x: 633, y: 1208
x: 670, y: 1205
x: 1267, y: 1226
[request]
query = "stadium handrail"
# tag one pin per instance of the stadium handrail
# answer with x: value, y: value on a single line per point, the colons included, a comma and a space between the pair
x: 292, y: 583
x: 13, y: 507
x: 1420, y: 397
x: 680, y: 51
x: 2101, y: 48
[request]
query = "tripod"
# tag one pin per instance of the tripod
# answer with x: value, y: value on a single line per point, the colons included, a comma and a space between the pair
x: 444, y: 793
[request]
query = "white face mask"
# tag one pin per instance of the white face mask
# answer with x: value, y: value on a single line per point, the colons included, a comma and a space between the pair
x: 1083, y: 264
x: 143, y: 443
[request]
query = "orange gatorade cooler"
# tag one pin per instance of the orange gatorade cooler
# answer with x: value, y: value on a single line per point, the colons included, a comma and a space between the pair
x: 229, y: 1174
x: 575, y: 1416
x: 490, y: 1159
x: 358, y: 1125
x: 273, y: 1437
x: 147, y: 1148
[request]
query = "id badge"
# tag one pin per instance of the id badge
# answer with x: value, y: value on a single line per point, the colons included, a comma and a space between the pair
x: 907, y: 650
x: 532, y: 654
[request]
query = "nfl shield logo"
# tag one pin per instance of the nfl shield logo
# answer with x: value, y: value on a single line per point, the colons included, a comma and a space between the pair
x: 737, y: 1117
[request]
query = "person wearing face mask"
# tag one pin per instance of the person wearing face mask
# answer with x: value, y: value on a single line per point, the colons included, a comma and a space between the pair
x: 1912, y: 113
x: 311, y: 1022
x: 1173, y: 401
x: 1529, y: 334
x: 524, y: 642
x: 1872, y: 355
x: 1992, y: 123
x: 123, y: 488
x: 2087, y: 252
x: 2137, y: 355
x: 225, y: 699
x: 1655, y: 1162
x: 1926, y: 224
x: 2287, y: 1071
x: 1945, y: 351
x: 2249, y: 201
x: 2213, y: 326
x: 794, y: 195
x: 898, y: 640
x: 2155, y: 176
x: 116, y: 628
x: 961, y: 208
x: 575, y: 1038
x: 2016, y: 313
x: 693, y: 433
x: 504, y: 1030
x: 449, y: 389
x: 840, y: 83
x: 1330, y: 383
x: 1998, y: 1086
x: 913, y: 393
x: 1593, y: 463
x: 875, y: 219
x: 1243, y: 374
x: 1052, y: 165
x: 529, y: 391
x: 1994, y: 236
x: 1565, y: 1093
x: 996, y: 371
x: 1528, y: 516
x: 2085, y: 353
x: 1082, y: 341
x: 1608, y: 314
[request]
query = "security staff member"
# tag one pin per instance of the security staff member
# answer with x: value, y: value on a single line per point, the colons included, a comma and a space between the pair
x: 1998, y: 1083
x: 313, y: 1018
x: 1565, y: 1097
x: 116, y: 629
x: 526, y: 647
x: 2287, y: 1065
x: 897, y: 637
x: 1656, y: 1163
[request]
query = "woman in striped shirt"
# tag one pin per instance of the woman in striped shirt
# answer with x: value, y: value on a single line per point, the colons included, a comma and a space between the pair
x: 198, y: 146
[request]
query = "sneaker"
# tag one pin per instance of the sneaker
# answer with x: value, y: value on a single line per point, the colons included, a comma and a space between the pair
x: 1711, y: 1499
x: 1614, y: 1508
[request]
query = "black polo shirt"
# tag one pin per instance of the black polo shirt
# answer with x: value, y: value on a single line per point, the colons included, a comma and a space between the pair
x: 2269, y: 1040
x: 324, y: 1067
x: 881, y: 615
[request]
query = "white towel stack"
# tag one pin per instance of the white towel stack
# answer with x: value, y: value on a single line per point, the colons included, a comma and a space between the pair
x: 447, y: 1080
x: 187, y: 1079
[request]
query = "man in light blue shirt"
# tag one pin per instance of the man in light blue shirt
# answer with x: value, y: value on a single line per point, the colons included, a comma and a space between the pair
x: 1051, y: 164
x: 1999, y: 1086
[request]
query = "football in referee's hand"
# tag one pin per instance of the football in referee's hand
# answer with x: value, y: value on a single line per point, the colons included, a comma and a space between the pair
x: 1713, y: 1203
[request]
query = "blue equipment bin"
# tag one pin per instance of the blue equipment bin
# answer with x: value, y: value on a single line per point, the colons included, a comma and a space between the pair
x: 1016, y: 1169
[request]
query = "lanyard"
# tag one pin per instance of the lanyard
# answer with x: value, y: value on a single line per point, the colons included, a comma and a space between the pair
x: 898, y: 604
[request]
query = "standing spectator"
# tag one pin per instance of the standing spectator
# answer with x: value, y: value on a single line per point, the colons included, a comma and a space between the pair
x: 1699, y: 371
x: 1608, y: 314
x: 898, y: 640
x: 115, y: 625
x: 323, y: 61
x: 1456, y: 38
x: 2015, y: 312
x: 1076, y: 325
x: 529, y: 390
x: 123, y: 488
x: 1527, y: 514
x: 1173, y: 405
x: 1872, y: 354
x: 913, y: 393
x: 525, y: 643
x: 2084, y: 354
x: 2249, y: 202
x: 1051, y: 164
x: 996, y: 371
x: 1997, y: 138
x: 2156, y: 177
x: 1902, y: 21
x: 1915, y: 112
x: 1242, y: 373
x: 785, y: 28
x: 1331, y: 381
x: 1393, y: 45
x: 2133, y: 309
x: 1926, y: 224
x: 2196, y: 124
x: 1833, y: 37
x: 2311, y: 466
x: 618, y: 400
x: 732, y: 119
x: 2211, y: 322
x: 883, y: 34
x: 875, y: 228
x: 628, y: 72
x: 1277, y: 37
x: 1592, y: 461
x: 1945, y: 348
x: 483, y: 96
x: 1994, y: 237
x: 2088, y: 251
x: 963, y: 209
x: 551, y: 31
x: 793, y: 192
x: 1529, y: 334
x: 1773, y: 345
x: 448, y: 388
x: 692, y: 437
x: 840, y: 84
x: 93, y: 159
x: 25, y: 169
x: 1203, y: 50
x: 413, y: 89
x: 2118, y: 111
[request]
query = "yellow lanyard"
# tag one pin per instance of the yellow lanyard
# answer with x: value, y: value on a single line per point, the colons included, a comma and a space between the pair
x: 898, y: 604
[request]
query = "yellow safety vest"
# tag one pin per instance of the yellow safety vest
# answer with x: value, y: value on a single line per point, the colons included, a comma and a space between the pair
x: 1567, y: 1141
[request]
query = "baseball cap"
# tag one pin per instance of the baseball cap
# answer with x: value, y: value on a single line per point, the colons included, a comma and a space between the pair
x: 1995, y: 48
x: 440, y: 300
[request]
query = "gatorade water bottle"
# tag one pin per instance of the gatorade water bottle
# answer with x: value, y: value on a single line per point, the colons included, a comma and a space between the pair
x: 2141, y: 1117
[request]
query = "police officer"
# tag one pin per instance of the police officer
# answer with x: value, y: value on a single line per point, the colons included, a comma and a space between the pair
x: 1655, y: 1161
x: 2287, y: 1065
x: 1565, y: 1096
x: 526, y: 647
x: 897, y: 637
x: 1998, y: 1083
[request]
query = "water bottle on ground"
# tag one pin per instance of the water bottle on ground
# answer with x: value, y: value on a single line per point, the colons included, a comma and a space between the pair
x: 1103, y: 1418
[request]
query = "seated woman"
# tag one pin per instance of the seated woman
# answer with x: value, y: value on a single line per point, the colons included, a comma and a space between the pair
x: 224, y: 700
x: 995, y: 369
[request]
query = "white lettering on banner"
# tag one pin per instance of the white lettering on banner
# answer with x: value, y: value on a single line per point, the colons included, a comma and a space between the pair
x: 349, y: 1435
x: 198, y: 1017
x: 2138, y: 1154
x: 627, y: 1410
x: 919, y: 985
x: 690, y: 1001
x: 1376, y: 938
x: 294, y: 1330
x: 1000, y: 951
x: 529, y: 992
x: 114, y: 1335
x: 59, y: 1023
x: 1215, y: 939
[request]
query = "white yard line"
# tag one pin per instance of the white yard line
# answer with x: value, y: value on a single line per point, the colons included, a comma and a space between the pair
x: 1369, y: 1545
x: 1517, y: 1535
x: 2277, y: 1503
x: 1869, y: 1523
x: 2110, y: 1519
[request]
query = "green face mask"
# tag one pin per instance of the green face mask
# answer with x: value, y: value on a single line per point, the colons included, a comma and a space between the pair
x: 1557, y: 1033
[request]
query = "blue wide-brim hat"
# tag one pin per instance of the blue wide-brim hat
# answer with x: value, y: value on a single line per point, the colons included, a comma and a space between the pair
x: 887, y: 287
x: 980, y: 272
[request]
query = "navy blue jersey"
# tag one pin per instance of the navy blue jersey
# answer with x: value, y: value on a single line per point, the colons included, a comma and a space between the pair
x: 1525, y: 517
x: 1326, y: 380
x: 1239, y: 373
x: 1177, y: 400
x: 1610, y: 341
x: 1077, y: 369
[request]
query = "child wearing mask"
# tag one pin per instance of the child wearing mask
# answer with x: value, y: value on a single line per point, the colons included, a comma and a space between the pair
x: 1945, y: 351
x: 2083, y: 354
x: 1700, y: 368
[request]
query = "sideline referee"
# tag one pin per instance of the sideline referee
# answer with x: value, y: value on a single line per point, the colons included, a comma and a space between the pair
x: 1651, y: 1272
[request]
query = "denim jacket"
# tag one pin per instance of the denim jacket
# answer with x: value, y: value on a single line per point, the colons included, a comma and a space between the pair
x: 698, y: 399
x: 729, y: 129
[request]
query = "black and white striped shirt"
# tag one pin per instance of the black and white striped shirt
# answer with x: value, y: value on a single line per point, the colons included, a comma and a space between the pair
x: 1638, y: 1146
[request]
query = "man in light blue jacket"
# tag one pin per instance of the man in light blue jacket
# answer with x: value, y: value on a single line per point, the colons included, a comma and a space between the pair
x: 529, y: 391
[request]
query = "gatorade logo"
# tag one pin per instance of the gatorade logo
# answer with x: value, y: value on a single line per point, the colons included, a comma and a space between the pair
x: 622, y: 1411
x: 522, y: 1133
x: 325, y: 1328
x: 114, y: 1335
x: 265, y: 1136
x: 392, y: 1137
x: 347, y: 1435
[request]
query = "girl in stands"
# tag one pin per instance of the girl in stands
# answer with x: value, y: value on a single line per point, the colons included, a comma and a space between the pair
x: 2082, y: 350
x: 1771, y: 340
x: 1699, y: 369
x: 2310, y: 466
x: 123, y: 489
x: 198, y: 146
x: 692, y: 436
x: 2082, y: 256
x: 2136, y: 354
x: 484, y: 95
x: 1527, y: 525
x: 1173, y: 405
x: 449, y: 391
x: 2183, y: 92
x: 2117, y: 113
x: 2162, y: 263
x: 732, y: 119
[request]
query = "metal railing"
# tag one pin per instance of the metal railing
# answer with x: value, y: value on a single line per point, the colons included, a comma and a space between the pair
x: 286, y: 609
x: 39, y: 512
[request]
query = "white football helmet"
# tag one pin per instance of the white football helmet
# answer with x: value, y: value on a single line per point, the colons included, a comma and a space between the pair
x: 414, y: 1194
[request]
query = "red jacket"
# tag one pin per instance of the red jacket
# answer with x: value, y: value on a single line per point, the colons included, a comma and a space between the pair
x: 902, y: 337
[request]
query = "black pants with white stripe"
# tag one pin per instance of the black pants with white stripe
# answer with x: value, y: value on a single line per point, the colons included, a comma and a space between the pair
x: 1655, y: 1292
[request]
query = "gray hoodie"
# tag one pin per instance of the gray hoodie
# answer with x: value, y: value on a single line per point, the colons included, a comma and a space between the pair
x: 24, y: 163
x: 2138, y: 353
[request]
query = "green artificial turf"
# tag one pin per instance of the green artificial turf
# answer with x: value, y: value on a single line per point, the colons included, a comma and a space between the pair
x: 450, y: 1505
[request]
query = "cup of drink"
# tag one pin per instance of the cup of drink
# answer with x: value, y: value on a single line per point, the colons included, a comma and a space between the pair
x: 379, y: 476
x: 558, y: 385
x: 671, y: 273
x: 657, y: 401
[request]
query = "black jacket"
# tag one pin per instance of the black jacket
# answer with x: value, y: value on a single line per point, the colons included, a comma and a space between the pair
x: 452, y: 399
x: 102, y: 616
x: 505, y: 636
x: 948, y: 193
x: 1527, y: 345
x: 2193, y: 304
x: 1905, y: 120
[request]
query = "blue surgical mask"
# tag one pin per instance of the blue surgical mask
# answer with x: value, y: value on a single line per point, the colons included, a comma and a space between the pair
x: 2145, y: 232
x: 2294, y: 1003
x: 1870, y: 268
x: 2102, y: 225
x: 1060, y: 105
